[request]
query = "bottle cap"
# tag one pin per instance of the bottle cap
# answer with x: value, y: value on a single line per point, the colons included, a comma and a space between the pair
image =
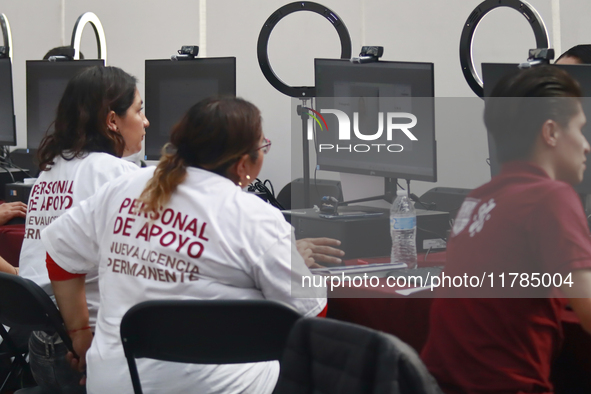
x: 402, y: 192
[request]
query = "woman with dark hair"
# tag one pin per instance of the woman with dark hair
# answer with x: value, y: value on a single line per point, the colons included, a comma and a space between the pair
x: 184, y: 229
x: 99, y: 118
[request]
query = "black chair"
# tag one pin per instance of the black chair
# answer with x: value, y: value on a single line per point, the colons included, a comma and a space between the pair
x: 205, y: 332
x: 328, y: 356
x: 25, y: 305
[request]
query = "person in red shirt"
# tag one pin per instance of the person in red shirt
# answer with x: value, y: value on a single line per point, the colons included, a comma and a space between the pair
x: 527, y: 220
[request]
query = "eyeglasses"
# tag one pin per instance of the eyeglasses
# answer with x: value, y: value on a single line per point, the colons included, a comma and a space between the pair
x: 266, y: 146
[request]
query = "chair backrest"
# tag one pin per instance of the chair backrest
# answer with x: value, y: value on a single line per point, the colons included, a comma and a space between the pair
x: 328, y: 356
x: 205, y: 332
x: 23, y: 303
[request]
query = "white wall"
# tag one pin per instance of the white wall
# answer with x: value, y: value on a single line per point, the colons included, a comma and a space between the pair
x: 410, y: 30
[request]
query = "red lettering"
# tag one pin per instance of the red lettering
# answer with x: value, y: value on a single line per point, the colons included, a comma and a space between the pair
x: 125, y: 204
x: 167, y: 221
x: 177, y: 221
x: 118, y: 225
x: 71, y: 186
x: 192, y: 227
x: 202, y: 231
x: 190, y: 250
x: 155, y: 230
x: 127, y: 226
x: 181, y: 242
x: 67, y: 200
x: 32, y: 203
x: 144, y: 231
x: 132, y: 207
x: 172, y: 236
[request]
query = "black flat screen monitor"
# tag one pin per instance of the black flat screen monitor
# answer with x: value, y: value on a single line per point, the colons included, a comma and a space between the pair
x: 493, y: 72
x: 7, y: 123
x: 368, y: 94
x: 46, y: 83
x: 172, y: 87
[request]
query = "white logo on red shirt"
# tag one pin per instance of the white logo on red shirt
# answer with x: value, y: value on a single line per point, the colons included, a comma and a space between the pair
x: 482, y: 216
x: 463, y: 217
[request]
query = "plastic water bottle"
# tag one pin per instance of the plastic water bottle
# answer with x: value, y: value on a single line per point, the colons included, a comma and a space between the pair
x: 403, y: 228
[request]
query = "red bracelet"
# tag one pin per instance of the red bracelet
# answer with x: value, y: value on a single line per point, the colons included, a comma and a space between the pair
x: 79, y: 329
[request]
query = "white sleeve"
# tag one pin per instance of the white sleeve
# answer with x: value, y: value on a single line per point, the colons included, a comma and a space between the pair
x: 279, y: 276
x: 72, y: 240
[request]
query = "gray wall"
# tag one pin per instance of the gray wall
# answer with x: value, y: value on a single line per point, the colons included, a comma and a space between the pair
x: 410, y: 30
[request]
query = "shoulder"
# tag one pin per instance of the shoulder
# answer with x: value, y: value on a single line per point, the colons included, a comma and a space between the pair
x: 106, y: 163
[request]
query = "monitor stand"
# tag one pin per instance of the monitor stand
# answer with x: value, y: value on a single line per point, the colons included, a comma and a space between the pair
x: 390, y: 187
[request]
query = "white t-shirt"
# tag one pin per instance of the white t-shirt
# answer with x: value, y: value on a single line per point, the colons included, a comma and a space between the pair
x: 211, y: 241
x: 55, y: 191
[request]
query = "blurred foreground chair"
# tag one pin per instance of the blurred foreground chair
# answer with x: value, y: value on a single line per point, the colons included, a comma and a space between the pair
x: 205, y: 332
x: 25, y: 305
x: 328, y: 356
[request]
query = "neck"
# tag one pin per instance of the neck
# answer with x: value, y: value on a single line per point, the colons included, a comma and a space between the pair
x: 545, y: 163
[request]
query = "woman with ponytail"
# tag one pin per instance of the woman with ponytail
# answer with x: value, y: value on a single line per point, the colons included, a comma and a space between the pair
x: 99, y: 119
x: 184, y: 229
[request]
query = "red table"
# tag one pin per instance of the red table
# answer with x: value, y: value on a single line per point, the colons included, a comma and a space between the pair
x: 408, y: 319
x: 11, y: 240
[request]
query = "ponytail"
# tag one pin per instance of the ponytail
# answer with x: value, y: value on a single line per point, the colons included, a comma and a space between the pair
x: 170, y: 172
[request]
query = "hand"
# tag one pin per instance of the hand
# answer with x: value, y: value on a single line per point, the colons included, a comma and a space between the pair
x: 315, y: 250
x: 10, y: 210
x: 81, y: 341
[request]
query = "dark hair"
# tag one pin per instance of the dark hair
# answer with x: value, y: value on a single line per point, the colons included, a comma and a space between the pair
x: 81, y: 120
x: 581, y: 52
x: 214, y: 134
x: 520, y: 104
x: 67, y: 51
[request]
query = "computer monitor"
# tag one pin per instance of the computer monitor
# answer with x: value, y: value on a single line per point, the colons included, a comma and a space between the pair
x: 172, y: 87
x: 366, y: 93
x: 493, y: 72
x: 46, y: 83
x: 7, y: 123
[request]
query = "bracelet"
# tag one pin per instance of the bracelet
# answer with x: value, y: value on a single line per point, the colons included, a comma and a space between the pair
x: 79, y: 329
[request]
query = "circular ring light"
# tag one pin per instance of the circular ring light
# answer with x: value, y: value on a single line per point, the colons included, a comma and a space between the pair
x: 101, y: 41
x: 263, y: 44
x: 467, y: 38
x: 6, y: 33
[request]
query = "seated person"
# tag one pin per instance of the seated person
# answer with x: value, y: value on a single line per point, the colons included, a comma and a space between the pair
x: 186, y: 230
x: 579, y: 54
x: 526, y: 220
x: 99, y: 119
x: 11, y: 210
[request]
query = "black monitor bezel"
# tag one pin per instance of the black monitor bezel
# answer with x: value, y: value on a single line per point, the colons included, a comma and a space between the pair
x: 50, y: 69
x: 9, y: 90
x: 152, y: 106
x: 379, y: 173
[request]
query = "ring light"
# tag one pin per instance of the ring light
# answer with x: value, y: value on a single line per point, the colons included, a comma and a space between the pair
x: 101, y: 42
x: 263, y: 43
x: 7, y: 34
x: 467, y: 38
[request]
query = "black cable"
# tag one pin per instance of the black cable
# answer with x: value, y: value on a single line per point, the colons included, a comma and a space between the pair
x: 9, y: 172
x: 10, y: 164
x: 259, y: 186
x: 434, y: 233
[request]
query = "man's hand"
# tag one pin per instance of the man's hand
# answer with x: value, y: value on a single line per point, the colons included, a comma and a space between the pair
x: 315, y: 250
x: 10, y: 210
x: 81, y: 341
